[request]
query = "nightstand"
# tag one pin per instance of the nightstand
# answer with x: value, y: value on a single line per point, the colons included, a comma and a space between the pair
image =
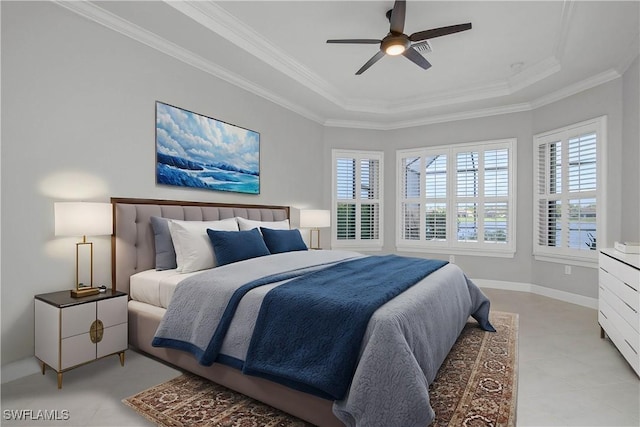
x: 70, y: 332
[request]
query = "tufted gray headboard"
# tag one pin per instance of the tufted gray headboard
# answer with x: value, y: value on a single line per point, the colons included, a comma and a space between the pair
x: 132, y: 242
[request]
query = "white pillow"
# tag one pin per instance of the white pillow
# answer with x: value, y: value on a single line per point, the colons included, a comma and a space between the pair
x: 191, y: 242
x: 248, y: 224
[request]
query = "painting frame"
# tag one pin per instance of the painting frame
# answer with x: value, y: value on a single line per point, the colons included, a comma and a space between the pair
x: 194, y: 150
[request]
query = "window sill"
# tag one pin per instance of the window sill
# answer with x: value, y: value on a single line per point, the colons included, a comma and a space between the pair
x: 567, y: 259
x: 457, y: 251
x: 357, y: 247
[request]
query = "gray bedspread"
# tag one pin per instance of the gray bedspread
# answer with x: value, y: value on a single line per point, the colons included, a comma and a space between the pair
x: 404, y: 345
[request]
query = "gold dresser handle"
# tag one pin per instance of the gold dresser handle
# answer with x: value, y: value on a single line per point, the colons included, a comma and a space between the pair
x: 96, y: 331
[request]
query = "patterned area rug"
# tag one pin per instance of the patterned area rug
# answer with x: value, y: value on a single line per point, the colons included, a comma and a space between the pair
x: 476, y: 386
x: 477, y: 383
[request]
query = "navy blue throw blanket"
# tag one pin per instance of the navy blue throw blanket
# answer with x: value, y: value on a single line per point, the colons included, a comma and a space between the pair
x: 309, y: 330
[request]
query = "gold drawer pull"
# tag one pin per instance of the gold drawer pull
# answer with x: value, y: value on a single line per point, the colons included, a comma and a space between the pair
x: 96, y: 331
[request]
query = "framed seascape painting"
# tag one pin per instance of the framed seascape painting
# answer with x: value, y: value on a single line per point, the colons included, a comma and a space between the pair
x: 197, y: 151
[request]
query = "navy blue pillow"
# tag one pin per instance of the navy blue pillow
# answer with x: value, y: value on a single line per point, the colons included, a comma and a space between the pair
x: 165, y: 252
x: 233, y: 246
x: 283, y: 240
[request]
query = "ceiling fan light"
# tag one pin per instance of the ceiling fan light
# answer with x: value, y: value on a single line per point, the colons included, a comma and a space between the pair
x: 395, y: 49
x: 395, y: 44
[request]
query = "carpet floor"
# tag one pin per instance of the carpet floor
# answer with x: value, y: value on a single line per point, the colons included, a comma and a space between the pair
x: 476, y: 386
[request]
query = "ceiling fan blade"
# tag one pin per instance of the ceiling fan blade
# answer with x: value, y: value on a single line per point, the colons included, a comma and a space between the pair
x: 356, y: 41
x: 397, y: 16
x: 415, y: 56
x: 375, y: 58
x: 439, y: 32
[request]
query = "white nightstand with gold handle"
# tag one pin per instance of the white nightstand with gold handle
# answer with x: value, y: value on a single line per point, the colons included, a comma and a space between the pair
x: 70, y: 332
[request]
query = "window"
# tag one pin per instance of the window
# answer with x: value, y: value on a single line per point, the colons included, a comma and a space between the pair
x: 357, y: 199
x: 568, y: 205
x: 457, y: 199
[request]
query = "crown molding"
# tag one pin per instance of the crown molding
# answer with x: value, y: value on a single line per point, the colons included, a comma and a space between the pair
x: 113, y: 22
x: 566, y: 92
x: 632, y: 53
x: 218, y: 20
x: 204, y: 10
x: 534, y: 73
x: 576, y: 88
x: 423, y: 121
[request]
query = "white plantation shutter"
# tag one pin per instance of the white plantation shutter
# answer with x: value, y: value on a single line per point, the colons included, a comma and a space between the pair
x: 483, y: 195
x: 410, y: 197
x: 369, y: 191
x: 436, y: 197
x: 496, y: 191
x: 345, y: 171
x: 568, y: 223
x: 357, y: 199
x: 463, y: 196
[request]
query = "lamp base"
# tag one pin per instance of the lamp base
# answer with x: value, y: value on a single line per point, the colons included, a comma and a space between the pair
x: 317, y: 233
x: 79, y: 293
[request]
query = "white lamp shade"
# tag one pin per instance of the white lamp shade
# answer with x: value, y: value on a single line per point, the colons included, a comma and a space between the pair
x: 315, y: 218
x: 83, y: 219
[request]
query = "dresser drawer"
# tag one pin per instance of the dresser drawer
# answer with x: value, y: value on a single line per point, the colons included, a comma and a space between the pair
x: 625, y: 292
x: 622, y: 307
x: 628, y: 337
x: 623, y: 272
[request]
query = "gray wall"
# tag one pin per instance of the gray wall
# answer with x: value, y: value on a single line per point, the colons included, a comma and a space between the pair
x: 78, y: 116
x: 605, y: 99
x: 622, y: 196
x: 630, y: 211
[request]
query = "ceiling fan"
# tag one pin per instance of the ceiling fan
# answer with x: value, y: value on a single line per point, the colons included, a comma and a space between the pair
x: 398, y: 43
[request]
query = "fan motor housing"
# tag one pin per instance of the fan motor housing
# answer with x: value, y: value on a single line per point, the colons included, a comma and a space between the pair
x: 395, y: 40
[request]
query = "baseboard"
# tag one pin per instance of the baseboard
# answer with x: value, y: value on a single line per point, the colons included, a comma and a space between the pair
x: 538, y: 290
x: 19, y: 368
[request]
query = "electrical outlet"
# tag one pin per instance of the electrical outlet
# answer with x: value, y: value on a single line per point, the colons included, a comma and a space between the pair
x: 452, y: 259
x: 567, y: 269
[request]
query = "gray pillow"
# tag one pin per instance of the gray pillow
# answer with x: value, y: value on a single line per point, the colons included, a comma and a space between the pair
x: 165, y: 252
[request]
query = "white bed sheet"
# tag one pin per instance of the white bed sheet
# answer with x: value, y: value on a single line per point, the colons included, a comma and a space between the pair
x: 156, y: 287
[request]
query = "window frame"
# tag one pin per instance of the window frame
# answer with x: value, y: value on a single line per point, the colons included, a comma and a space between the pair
x: 563, y: 254
x: 452, y: 245
x: 357, y: 244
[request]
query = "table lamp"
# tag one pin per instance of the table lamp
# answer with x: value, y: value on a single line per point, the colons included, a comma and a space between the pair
x: 314, y: 219
x: 83, y: 219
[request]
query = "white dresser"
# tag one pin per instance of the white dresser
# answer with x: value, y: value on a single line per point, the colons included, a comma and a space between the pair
x: 619, y: 302
x: 73, y: 331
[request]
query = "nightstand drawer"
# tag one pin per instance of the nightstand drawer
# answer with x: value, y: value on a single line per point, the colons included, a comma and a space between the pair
x: 76, y: 350
x: 112, y: 311
x: 114, y: 340
x: 77, y: 320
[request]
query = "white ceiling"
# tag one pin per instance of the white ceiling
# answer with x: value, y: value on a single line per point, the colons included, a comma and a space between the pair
x: 518, y: 55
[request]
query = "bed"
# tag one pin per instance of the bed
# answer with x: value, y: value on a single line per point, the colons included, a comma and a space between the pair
x: 394, y: 364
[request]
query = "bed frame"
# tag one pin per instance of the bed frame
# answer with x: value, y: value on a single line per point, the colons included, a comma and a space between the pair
x: 132, y: 250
